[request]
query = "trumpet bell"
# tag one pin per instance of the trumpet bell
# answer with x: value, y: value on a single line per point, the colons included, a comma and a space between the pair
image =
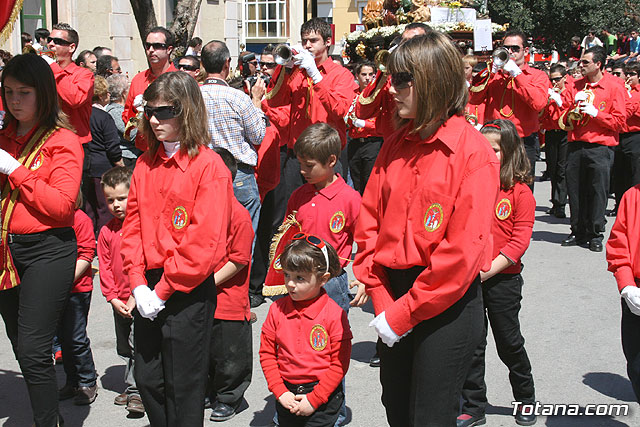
x: 282, y: 54
x: 381, y: 59
x: 500, y: 57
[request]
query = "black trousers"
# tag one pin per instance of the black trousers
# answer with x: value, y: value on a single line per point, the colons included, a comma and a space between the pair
x: 423, y: 373
x: 32, y: 312
x: 172, y: 355
x: 230, y: 361
x: 556, y: 146
x: 501, y: 296
x: 532, y: 148
x: 588, y: 172
x: 630, y: 330
x: 626, y: 164
x: 363, y: 153
x: 325, y: 415
x: 76, y: 347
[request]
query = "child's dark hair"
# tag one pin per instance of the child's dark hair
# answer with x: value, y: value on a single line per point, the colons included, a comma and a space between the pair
x: 300, y: 255
x: 514, y: 163
x: 228, y: 159
x: 318, y: 142
x: 116, y: 176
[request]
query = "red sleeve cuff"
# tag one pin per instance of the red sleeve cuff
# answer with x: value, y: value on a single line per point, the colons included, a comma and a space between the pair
x: 380, y: 298
x: 624, y: 277
x: 136, y: 278
x: 399, y: 317
x: 18, y: 176
x: 163, y: 289
x: 314, y: 400
x: 279, y: 389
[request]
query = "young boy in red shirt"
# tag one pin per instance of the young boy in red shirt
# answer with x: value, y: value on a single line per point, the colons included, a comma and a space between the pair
x: 231, y: 358
x: 114, y: 283
x: 306, y: 340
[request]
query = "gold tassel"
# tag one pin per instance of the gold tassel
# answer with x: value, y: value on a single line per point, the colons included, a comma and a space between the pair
x: 288, y: 222
x: 272, y: 291
x: 6, y: 31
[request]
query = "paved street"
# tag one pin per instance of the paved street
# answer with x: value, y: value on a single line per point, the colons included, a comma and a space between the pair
x: 570, y: 319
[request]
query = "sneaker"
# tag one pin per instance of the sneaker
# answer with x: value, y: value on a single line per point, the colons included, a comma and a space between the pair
x: 67, y: 392
x: 86, y: 395
x: 466, y: 420
x: 121, y: 399
x: 134, y: 404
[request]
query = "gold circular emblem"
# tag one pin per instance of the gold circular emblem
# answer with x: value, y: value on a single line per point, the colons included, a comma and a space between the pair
x: 337, y: 222
x: 179, y: 219
x: 433, y: 217
x: 318, y: 338
x: 503, y: 209
x: 37, y: 162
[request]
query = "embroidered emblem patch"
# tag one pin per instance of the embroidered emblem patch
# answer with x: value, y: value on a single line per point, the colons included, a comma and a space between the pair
x: 37, y: 162
x: 337, y: 222
x: 602, y: 106
x: 276, y: 263
x: 179, y: 219
x: 503, y: 209
x: 433, y: 217
x: 318, y: 338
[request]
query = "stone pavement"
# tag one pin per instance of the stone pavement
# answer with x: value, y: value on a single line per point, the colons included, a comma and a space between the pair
x: 570, y: 320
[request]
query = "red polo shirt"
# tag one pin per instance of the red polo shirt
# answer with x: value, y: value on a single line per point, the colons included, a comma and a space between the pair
x: 632, y: 106
x: 171, y: 222
x: 623, y: 246
x: 513, y: 225
x: 375, y: 101
x: 330, y: 213
x: 429, y: 202
x: 233, y: 295
x: 48, y: 193
x: 325, y: 102
x: 517, y: 99
x: 83, y: 228
x: 75, y: 91
x: 303, y: 342
x: 609, y: 99
x: 113, y: 282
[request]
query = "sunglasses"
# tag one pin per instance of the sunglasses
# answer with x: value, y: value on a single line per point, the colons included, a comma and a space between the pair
x: 401, y: 80
x: 513, y: 48
x: 268, y: 64
x: 631, y: 73
x: 314, y: 241
x: 188, y: 67
x: 155, y: 46
x: 617, y: 73
x: 556, y: 79
x: 585, y: 62
x: 254, y: 63
x: 58, y: 41
x: 165, y: 112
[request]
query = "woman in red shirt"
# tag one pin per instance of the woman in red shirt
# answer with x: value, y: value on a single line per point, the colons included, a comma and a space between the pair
x: 40, y: 172
x: 424, y: 234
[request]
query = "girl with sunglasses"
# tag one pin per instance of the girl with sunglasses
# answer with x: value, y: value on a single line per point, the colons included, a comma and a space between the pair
x: 424, y: 233
x: 306, y: 378
x: 172, y: 240
x: 40, y: 173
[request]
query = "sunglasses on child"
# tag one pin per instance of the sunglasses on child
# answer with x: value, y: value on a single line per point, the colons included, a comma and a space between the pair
x: 58, y: 41
x: 314, y: 241
x: 165, y: 112
x: 401, y: 80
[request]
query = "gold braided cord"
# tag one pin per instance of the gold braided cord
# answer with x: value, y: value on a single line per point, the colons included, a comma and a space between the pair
x: 379, y: 85
x: 8, y: 28
x: 513, y: 100
x: 278, y: 84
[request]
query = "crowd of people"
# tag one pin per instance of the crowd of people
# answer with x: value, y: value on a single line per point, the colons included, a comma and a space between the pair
x: 203, y: 190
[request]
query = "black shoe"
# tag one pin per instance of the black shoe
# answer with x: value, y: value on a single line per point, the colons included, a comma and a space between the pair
x: 559, y: 213
x: 67, y: 392
x: 466, y: 420
x: 572, y: 240
x: 595, y: 245
x: 86, y: 395
x: 525, y: 420
x: 551, y: 211
x: 374, y: 362
x: 256, y: 300
x: 222, y: 412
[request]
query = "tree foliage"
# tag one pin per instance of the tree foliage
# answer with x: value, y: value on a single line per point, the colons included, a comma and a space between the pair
x: 552, y: 23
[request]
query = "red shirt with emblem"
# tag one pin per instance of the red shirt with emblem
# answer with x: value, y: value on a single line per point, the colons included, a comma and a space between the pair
x: 48, y: 192
x: 633, y: 110
x: 170, y: 222
x: 325, y: 102
x: 516, y: 99
x: 330, y: 213
x: 303, y: 342
x: 429, y: 202
x: 233, y: 295
x: 375, y: 101
x: 609, y: 99
x: 113, y: 282
x: 75, y: 92
x: 83, y: 227
x: 623, y: 246
x: 513, y: 225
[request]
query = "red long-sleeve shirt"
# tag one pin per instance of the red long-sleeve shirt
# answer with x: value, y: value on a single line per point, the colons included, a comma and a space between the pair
x: 75, y: 91
x: 303, y: 342
x: 375, y: 101
x: 623, y: 246
x: 513, y: 225
x: 325, y: 102
x: 113, y: 282
x: 48, y: 193
x: 632, y: 107
x: 516, y: 99
x: 83, y: 227
x: 171, y: 221
x: 429, y: 202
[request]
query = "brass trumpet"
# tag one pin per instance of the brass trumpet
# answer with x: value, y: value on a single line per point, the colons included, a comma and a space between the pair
x: 381, y: 59
x: 282, y: 54
x: 575, y: 114
x: 500, y: 57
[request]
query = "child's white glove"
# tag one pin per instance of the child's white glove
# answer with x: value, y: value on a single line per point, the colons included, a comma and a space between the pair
x: 631, y: 295
x: 147, y: 302
x: 138, y: 103
x: 306, y: 61
x: 384, y: 331
x: 7, y: 163
x: 359, y: 123
x: 555, y: 96
x: 512, y: 68
x: 589, y: 109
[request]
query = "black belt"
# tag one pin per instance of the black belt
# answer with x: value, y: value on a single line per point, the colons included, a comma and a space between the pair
x: 300, y: 388
x: 38, y: 237
x: 368, y: 139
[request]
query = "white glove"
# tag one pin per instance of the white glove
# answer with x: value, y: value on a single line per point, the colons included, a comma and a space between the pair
x: 138, y: 103
x: 7, y: 163
x: 494, y: 68
x: 306, y: 61
x: 580, y: 96
x: 555, y: 96
x: 147, y: 302
x: 384, y: 331
x: 359, y: 123
x: 589, y: 109
x: 512, y: 68
x: 631, y: 295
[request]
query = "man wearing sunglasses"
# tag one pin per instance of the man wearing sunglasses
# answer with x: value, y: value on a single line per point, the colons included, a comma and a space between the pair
x: 516, y: 92
x: 158, y: 46
x: 189, y: 64
x: 74, y: 83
